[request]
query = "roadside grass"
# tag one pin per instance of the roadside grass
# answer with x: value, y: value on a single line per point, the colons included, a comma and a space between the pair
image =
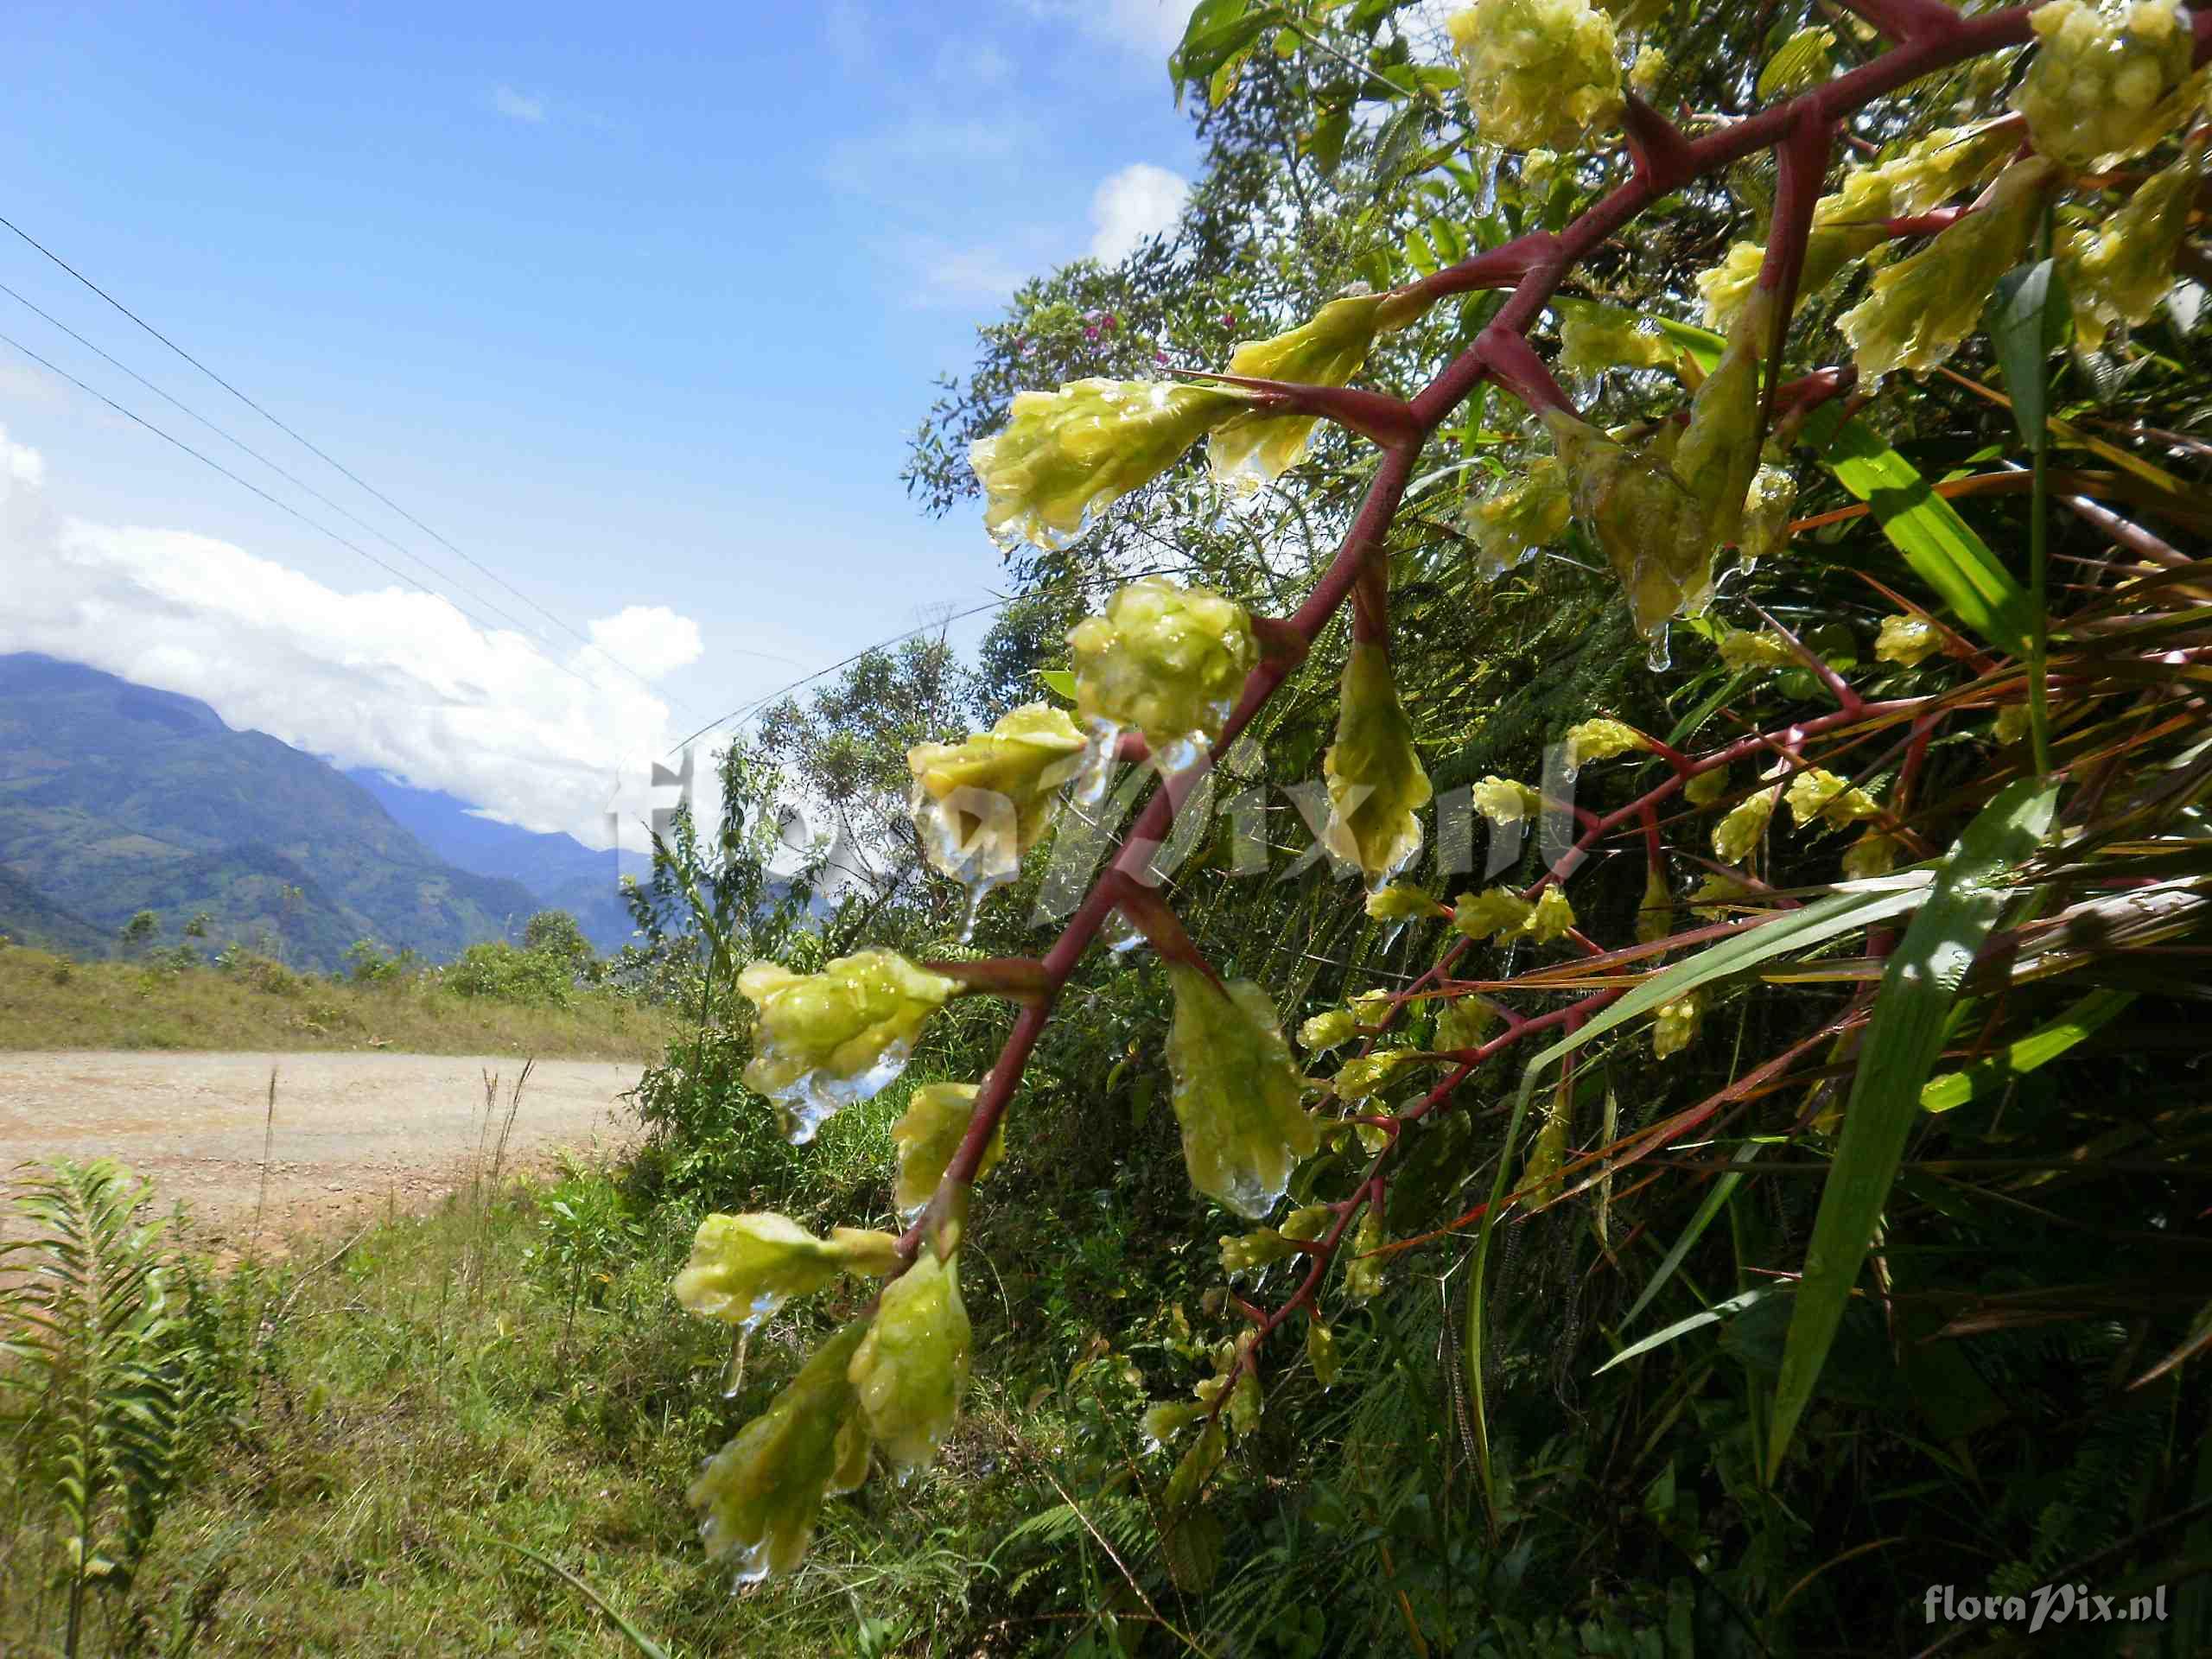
x: 51, y: 1002
x: 369, y: 1415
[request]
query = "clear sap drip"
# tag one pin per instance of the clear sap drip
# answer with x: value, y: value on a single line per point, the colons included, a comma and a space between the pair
x: 733, y: 1373
x: 808, y: 1100
x: 1096, y: 774
x: 978, y: 860
x: 1119, y: 934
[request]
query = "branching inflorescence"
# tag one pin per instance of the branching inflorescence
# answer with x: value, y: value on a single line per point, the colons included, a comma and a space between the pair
x: 1174, y: 675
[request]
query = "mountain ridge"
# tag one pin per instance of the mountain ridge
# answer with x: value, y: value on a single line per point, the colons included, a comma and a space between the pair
x: 116, y: 797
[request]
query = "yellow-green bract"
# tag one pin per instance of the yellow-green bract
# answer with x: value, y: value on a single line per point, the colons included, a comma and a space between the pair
x: 762, y: 1492
x: 1326, y: 1031
x: 1846, y: 225
x: 1746, y: 649
x: 910, y: 1372
x: 1516, y: 516
x: 1720, y: 449
x: 1552, y: 917
x: 1673, y: 1025
x: 1740, y: 830
x: 1491, y: 915
x: 1167, y: 660
x: 1400, y: 901
x: 836, y: 1036
x: 927, y: 1135
x: 1906, y: 639
x: 1537, y: 72
x: 1816, y: 793
x: 1601, y: 740
x: 1236, y: 1092
x: 2111, y: 78
x: 744, y: 1268
x: 979, y: 804
x: 1595, y: 338
x: 1503, y: 800
x: 1069, y: 453
x: 1874, y: 853
x: 1250, y: 448
x: 1767, y: 506
x: 1376, y: 787
x: 2119, y: 270
x: 1655, y: 534
x: 1920, y: 308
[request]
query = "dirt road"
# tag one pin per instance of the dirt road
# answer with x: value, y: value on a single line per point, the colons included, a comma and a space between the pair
x: 351, y: 1133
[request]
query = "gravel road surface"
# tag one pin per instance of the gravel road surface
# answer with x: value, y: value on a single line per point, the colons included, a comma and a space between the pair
x: 351, y: 1133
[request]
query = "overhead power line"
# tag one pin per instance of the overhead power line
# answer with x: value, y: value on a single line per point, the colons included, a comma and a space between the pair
x: 297, y: 483
x: 745, y: 711
x: 328, y: 460
x: 247, y: 483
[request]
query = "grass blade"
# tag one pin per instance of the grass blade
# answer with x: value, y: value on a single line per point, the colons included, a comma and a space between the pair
x: 1713, y: 1200
x: 1860, y: 904
x: 638, y: 1639
x: 2040, y: 1047
x: 1941, y: 547
x: 1903, y: 1039
x: 1712, y: 1315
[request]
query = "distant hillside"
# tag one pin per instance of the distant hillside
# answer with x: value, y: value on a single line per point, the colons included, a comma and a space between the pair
x: 563, y: 872
x: 115, y: 798
x: 29, y: 917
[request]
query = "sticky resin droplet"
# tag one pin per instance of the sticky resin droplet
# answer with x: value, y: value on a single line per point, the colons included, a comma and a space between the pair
x: 1095, y: 775
x: 1180, y: 754
x: 1120, y: 935
x: 810, y: 1099
x: 734, y: 1374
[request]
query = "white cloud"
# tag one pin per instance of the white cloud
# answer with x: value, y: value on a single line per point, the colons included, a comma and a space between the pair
x: 518, y: 107
x: 1151, y: 27
x: 943, y: 273
x: 391, y: 678
x: 650, y: 639
x: 1139, y: 201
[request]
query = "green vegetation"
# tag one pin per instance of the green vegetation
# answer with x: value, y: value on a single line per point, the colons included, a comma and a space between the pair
x: 1772, y: 1188
x: 121, y: 802
x: 494, y: 998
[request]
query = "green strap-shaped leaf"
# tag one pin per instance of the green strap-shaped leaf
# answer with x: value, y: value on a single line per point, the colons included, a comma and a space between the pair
x: 2039, y: 1047
x: 1941, y: 547
x: 2028, y: 319
x: 1903, y: 1039
x: 1712, y: 1315
x: 1722, y: 1190
x: 1862, y: 903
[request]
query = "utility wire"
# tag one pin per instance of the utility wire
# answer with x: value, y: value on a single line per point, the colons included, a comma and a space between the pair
x: 745, y: 711
x: 297, y: 483
x: 324, y: 456
x: 209, y: 461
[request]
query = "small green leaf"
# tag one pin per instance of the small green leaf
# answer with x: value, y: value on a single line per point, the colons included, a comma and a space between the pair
x: 1712, y: 1315
x: 2040, y: 1047
x: 1902, y: 1040
x: 1941, y: 547
x: 2028, y: 319
x: 1219, y: 30
x: 1324, y: 143
x: 1702, y: 344
x: 1713, y: 1200
x: 1060, y: 682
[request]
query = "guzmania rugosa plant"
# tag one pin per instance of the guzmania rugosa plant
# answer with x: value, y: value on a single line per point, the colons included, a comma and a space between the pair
x: 1170, y: 676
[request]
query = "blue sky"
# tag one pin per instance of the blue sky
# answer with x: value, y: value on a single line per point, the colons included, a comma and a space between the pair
x: 636, y: 309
